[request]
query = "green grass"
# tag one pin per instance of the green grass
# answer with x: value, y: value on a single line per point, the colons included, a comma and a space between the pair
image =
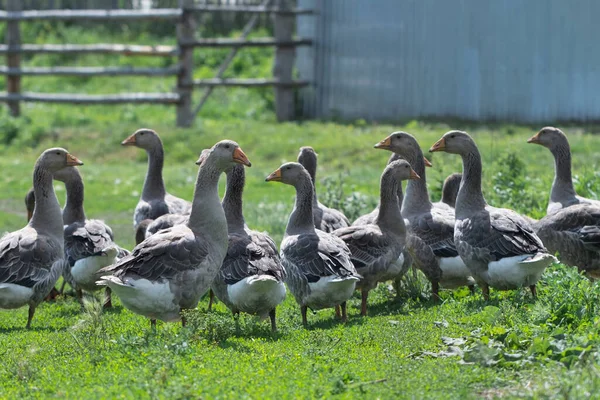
x: 408, y: 347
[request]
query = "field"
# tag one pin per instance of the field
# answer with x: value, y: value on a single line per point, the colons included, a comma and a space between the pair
x: 408, y: 346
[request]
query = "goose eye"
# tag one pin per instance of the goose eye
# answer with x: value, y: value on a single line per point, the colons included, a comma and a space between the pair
x: 141, y: 133
x: 226, y: 146
x: 451, y: 136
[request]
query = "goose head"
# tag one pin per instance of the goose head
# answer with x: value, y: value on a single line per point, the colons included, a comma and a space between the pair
x: 402, y: 143
x: 400, y: 170
x: 549, y: 137
x: 224, y: 155
x: 144, y: 138
x: 289, y: 173
x: 57, y: 158
x: 454, y: 142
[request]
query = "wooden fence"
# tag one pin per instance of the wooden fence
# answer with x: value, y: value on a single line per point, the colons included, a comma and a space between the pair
x: 284, y: 41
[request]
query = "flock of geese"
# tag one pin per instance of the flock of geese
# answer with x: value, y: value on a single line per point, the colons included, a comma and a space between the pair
x: 184, y: 249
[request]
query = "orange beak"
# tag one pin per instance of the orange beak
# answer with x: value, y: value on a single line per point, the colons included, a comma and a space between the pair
x: 414, y: 175
x: 72, y: 160
x: 427, y: 162
x: 275, y: 176
x: 240, y: 158
x: 384, y: 144
x: 130, y: 141
x: 440, y: 145
x: 534, y: 139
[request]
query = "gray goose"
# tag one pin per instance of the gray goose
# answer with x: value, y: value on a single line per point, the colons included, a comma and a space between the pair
x: 574, y: 232
x: 251, y: 277
x: 498, y: 245
x: 450, y: 189
x: 154, y: 201
x: 325, y: 218
x: 172, y: 269
x: 319, y: 272
x: 430, y: 225
x: 562, y: 193
x: 89, y: 243
x: 376, y: 247
x: 32, y: 259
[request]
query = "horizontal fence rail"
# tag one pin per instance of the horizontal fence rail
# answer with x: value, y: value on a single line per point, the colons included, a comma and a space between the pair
x: 90, y: 71
x: 254, y: 42
x: 159, y: 13
x: 249, y: 83
x: 155, y: 98
x: 123, y: 49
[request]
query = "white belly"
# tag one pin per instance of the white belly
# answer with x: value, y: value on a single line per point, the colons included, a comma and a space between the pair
x: 84, y: 272
x: 151, y: 299
x: 330, y: 291
x: 256, y: 294
x: 14, y: 296
x: 518, y: 271
x: 454, y: 273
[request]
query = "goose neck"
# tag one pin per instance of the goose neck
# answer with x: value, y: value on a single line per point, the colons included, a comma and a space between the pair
x: 470, y: 197
x: 562, y: 187
x: 73, y: 211
x: 389, y: 206
x: 154, y: 186
x: 232, y: 201
x: 206, y: 205
x: 417, y: 197
x: 301, y: 218
x: 47, y: 214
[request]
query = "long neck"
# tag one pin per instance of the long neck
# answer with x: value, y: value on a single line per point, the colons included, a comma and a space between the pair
x: 562, y: 187
x: 154, y: 186
x: 232, y: 201
x: 301, y: 218
x: 207, y: 211
x: 46, y: 215
x: 310, y: 164
x: 73, y: 211
x: 417, y: 197
x: 389, y: 205
x: 470, y: 198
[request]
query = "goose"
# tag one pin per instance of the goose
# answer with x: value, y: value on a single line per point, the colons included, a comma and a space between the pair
x: 251, y: 277
x: 140, y: 231
x: 498, y: 245
x: 318, y: 269
x: 32, y: 259
x: 431, y: 225
x: 154, y: 201
x: 325, y: 218
x: 172, y: 269
x: 450, y: 189
x: 574, y: 232
x: 30, y: 203
x: 89, y: 243
x: 562, y: 193
x: 376, y: 248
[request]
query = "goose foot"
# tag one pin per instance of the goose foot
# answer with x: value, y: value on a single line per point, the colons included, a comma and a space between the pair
x: 107, y: 298
x: 30, y: 317
x: 211, y: 296
x: 338, y: 314
x: 272, y: 317
x: 533, y: 291
x: 153, y: 324
x: 363, y: 304
x: 62, y: 287
x: 52, y: 295
x: 344, y: 312
x: 79, y: 293
x: 303, y: 311
x: 485, y: 289
x: 435, y: 290
x: 183, y: 321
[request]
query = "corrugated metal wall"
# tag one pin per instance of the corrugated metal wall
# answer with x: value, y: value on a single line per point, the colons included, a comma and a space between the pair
x: 511, y: 60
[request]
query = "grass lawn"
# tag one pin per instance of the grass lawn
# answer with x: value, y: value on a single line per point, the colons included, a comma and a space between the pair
x: 408, y: 347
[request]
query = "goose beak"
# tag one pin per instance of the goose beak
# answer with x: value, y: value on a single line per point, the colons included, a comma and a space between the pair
x: 427, y: 162
x: 130, y: 141
x: 414, y: 175
x: 240, y: 158
x: 534, y: 139
x: 274, y: 176
x: 384, y: 144
x: 72, y: 160
x: 440, y: 145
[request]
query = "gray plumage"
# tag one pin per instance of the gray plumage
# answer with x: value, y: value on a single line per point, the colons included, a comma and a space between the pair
x: 376, y: 248
x: 251, y: 276
x: 172, y: 269
x: 319, y: 272
x: 498, y: 245
x: 154, y: 201
x: 32, y: 259
x: 574, y: 232
x: 430, y: 225
x: 325, y: 218
x: 450, y: 189
x: 562, y: 193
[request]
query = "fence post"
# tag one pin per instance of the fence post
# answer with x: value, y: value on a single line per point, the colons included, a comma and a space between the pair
x: 13, y: 60
x: 283, y: 27
x: 185, y: 32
